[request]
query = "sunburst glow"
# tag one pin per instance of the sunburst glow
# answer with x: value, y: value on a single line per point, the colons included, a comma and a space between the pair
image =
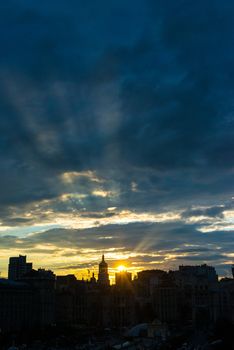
x: 121, y: 268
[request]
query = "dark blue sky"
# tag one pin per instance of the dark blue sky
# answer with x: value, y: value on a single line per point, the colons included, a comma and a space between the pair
x: 116, y: 122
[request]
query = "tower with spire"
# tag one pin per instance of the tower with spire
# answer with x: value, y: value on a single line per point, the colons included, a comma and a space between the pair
x: 103, y: 276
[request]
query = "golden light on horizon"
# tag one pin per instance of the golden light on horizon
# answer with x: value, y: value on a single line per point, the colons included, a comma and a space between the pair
x: 121, y: 268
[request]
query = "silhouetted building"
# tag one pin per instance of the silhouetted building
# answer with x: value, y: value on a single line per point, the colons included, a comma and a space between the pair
x: 103, y: 276
x: 226, y: 295
x: 122, y: 307
x: 43, y: 283
x: 18, y: 266
x: 199, y: 271
x: 70, y: 301
x: 65, y: 282
x: 190, y: 296
x: 65, y: 300
x: 144, y: 286
x: 199, y: 301
x: 16, y: 306
x: 81, y: 302
x: 28, y: 302
x: 166, y: 300
x: 147, y: 280
x: 123, y: 279
x: 93, y: 279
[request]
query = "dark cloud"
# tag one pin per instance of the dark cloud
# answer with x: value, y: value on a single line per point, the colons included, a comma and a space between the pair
x: 138, y: 93
x: 215, y: 211
x: 204, y: 258
x: 77, y: 266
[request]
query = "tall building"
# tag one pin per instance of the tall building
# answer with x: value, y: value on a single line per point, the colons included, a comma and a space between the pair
x: 18, y: 266
x: 123, y: 279
x: 103, y: 276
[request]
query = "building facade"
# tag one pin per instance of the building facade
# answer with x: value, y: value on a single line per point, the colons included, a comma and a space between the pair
x: 18, y: 266
x: 192, y: 296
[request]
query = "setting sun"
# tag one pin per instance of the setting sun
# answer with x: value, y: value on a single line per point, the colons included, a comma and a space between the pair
x: 121, y: 268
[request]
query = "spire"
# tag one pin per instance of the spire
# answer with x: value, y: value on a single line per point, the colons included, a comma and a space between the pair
x: 103, y: 276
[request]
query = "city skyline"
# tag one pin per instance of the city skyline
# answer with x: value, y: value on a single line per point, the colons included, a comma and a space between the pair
x: 116, y: 134
x: 156, y: 308
x: 20, y: 266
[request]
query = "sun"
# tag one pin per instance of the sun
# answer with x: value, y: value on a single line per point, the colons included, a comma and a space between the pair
x: 121, y: 268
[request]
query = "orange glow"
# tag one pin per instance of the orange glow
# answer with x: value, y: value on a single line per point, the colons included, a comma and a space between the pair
x: 121, y: 268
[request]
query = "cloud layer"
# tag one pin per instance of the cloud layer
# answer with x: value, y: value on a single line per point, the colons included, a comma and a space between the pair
x: 117, y: 121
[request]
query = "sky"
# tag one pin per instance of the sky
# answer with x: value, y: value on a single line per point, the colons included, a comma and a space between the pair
x: 116, y: 134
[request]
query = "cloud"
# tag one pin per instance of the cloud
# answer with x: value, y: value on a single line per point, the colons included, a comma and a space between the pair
x: 137, y: 117
x: 138, y: 244
x: 216, y: 211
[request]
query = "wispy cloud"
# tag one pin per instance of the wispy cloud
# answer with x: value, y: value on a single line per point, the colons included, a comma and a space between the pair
x: 117, y: 131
